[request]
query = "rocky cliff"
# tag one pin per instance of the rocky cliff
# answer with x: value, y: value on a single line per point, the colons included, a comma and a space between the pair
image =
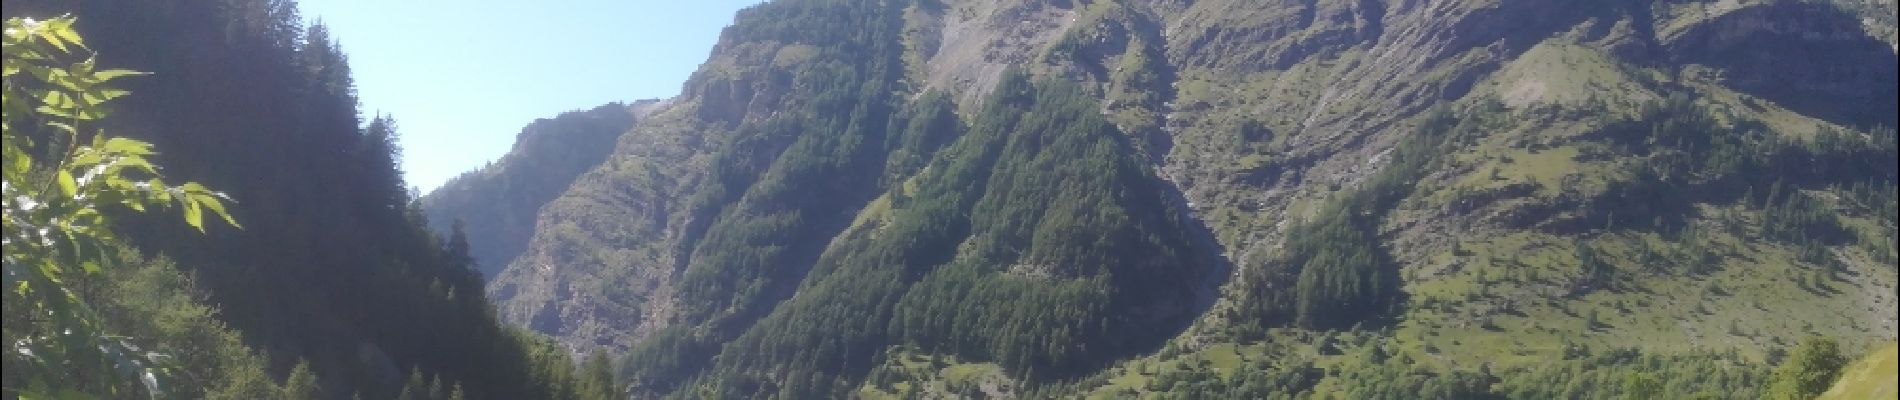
x: 498, y: 203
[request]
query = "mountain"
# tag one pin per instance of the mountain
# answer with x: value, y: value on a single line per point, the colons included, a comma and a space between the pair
x: 1316, y: 198
x: 333, y: 280
x: 498, y: 203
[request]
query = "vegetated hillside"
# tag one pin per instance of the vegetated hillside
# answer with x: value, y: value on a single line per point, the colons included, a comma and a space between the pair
x: 498, y: 203
x: 1357, y: 199
x: 333, y: 270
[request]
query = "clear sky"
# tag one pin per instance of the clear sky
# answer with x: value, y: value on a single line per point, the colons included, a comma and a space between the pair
x: 462, y: 77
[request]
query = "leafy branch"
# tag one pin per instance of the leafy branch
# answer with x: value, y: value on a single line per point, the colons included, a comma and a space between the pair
x: 56, y: 228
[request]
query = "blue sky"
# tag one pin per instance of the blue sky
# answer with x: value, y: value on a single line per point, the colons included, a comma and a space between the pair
x: 462, y: 77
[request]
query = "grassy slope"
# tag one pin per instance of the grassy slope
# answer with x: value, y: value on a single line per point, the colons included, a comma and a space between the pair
x: 1498, y: 298
x: 1873, y: 377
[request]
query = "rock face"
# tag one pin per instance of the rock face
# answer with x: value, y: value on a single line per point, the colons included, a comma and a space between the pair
x: 1251, y: 116
x: 602, y: 248
x: 499, y: 202
x: 1810, y: 58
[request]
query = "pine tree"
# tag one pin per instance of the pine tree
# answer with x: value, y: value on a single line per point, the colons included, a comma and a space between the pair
x: 596, y: 378
x: 415, y: 388
x: 302, y: 384
x: 435, y: 388
x: 457, y: 247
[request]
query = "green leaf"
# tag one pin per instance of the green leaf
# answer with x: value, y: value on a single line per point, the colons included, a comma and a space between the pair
x: 65, y: 33
x: 17, y: 163
x: 158, y: 190
x: 56, y: 99
x: 110, y: 74
x: 88, y: 114
x: 121, y: 145
x: 217, y: 207
x: 97, y: 95
x: 63, y: 127
x: 194, y: 216
x: 133, y: 204
x: 50, y: 37
x: 67, y: 186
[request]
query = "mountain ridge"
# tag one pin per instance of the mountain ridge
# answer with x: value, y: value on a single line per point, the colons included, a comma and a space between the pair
x: 547, y: 156
x: 1260, y: 121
